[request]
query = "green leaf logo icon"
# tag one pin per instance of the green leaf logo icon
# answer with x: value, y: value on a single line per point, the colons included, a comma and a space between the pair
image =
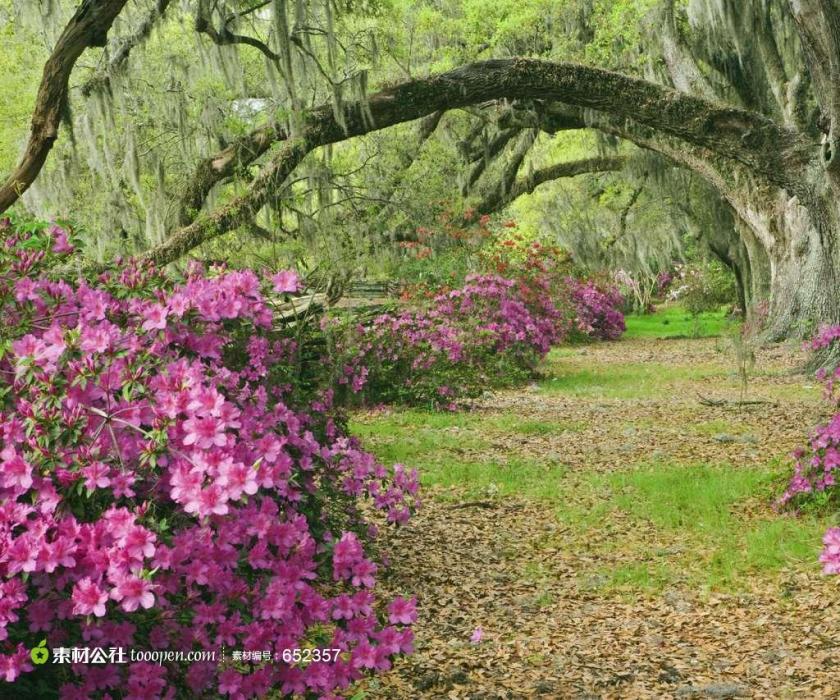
x: 40, y: 654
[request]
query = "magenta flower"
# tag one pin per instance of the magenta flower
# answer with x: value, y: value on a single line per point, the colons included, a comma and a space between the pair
x: 402, y: 611
x: 154, y: 317
x: 88, y: 598
x: 285, y: 281
x: 96, y: 476
x: 15, y: 472
x: 132, y: 592
x: 138, y: 543
x: 167, y: 400
x: 830, y: 556
x: 205, y: 432
x: 61, y: 244
x: 237, y: 479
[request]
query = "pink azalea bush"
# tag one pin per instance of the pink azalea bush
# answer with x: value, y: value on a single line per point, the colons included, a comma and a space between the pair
x: 160, y: 489
x: 591, y: 307
x: 815, y: 471
x: 597, y: 309
x: 489, y: 330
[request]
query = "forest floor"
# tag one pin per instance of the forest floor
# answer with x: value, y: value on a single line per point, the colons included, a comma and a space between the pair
x: 611, y: 536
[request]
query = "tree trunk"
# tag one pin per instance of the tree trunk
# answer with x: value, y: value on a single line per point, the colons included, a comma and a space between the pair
x: 800, y: 278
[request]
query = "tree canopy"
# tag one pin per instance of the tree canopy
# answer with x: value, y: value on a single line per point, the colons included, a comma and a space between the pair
x: 266, y: 122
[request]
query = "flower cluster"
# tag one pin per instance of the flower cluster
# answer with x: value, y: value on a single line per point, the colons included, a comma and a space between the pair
x: 160, y: 489
x: 454, y: 345
x: 702, y: 286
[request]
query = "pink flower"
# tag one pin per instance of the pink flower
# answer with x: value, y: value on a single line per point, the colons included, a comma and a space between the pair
x: 830, y: 556
x: 40, y: 614
x: 121, y: 484
x: 208, y: 501
x: 96, y: 476
x: 230, y: 681
x: 364, y: 656
x: 96, y: 339
x: 15, y: 472
x: 402, y: 611
x: 60, y: 242
x: 285, y: 281
x: 58, y: 553
x: 476, y: 636
x: 88, y: 598
x: 204, y: 432
x: 206, y: 400
x: 22, y: 555
x: 139, y: 542
x: 236, y: 478
x: 13, y: 665
x: 155, y: 317
x: 163, y: 400
x: 133, y: 592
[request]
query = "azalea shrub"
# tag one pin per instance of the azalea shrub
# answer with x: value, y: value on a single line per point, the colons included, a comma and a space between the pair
x: 489, y: 331
x: 597, y: 309
x: 162, y: 487
x: 591, y: 307
x: 815, y: 474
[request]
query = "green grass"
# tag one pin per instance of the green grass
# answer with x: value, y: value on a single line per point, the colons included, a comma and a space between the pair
x: 630, y: 380
x: 448, y: 450
x: 675, y: 322
x: 715, y: 518
x: 677, y: 497
x: 645, y: 577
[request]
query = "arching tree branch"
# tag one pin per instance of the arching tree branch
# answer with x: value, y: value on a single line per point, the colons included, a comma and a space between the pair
x: 238, y: 155
x: 88, y: 27
x: 498, y: 200
x: 773, y: 152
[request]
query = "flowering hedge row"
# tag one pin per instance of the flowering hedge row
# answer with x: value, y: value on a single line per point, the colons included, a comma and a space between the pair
x: 491, y: 331
x: 160, y: 490
x: 455, y: 345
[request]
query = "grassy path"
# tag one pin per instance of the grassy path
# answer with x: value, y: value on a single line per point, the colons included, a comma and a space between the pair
x: 611, y: 536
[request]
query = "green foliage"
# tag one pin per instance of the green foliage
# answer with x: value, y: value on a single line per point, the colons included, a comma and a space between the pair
x: 705, y: 286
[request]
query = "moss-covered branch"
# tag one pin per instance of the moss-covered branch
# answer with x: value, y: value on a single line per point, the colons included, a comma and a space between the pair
x: 771, y: 151
x: 88, y: 27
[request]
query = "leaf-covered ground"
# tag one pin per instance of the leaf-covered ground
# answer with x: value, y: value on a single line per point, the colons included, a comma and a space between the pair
x: 611, y: 536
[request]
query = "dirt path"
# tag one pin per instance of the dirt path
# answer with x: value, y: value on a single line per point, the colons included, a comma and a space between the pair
x: 526, y: 571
